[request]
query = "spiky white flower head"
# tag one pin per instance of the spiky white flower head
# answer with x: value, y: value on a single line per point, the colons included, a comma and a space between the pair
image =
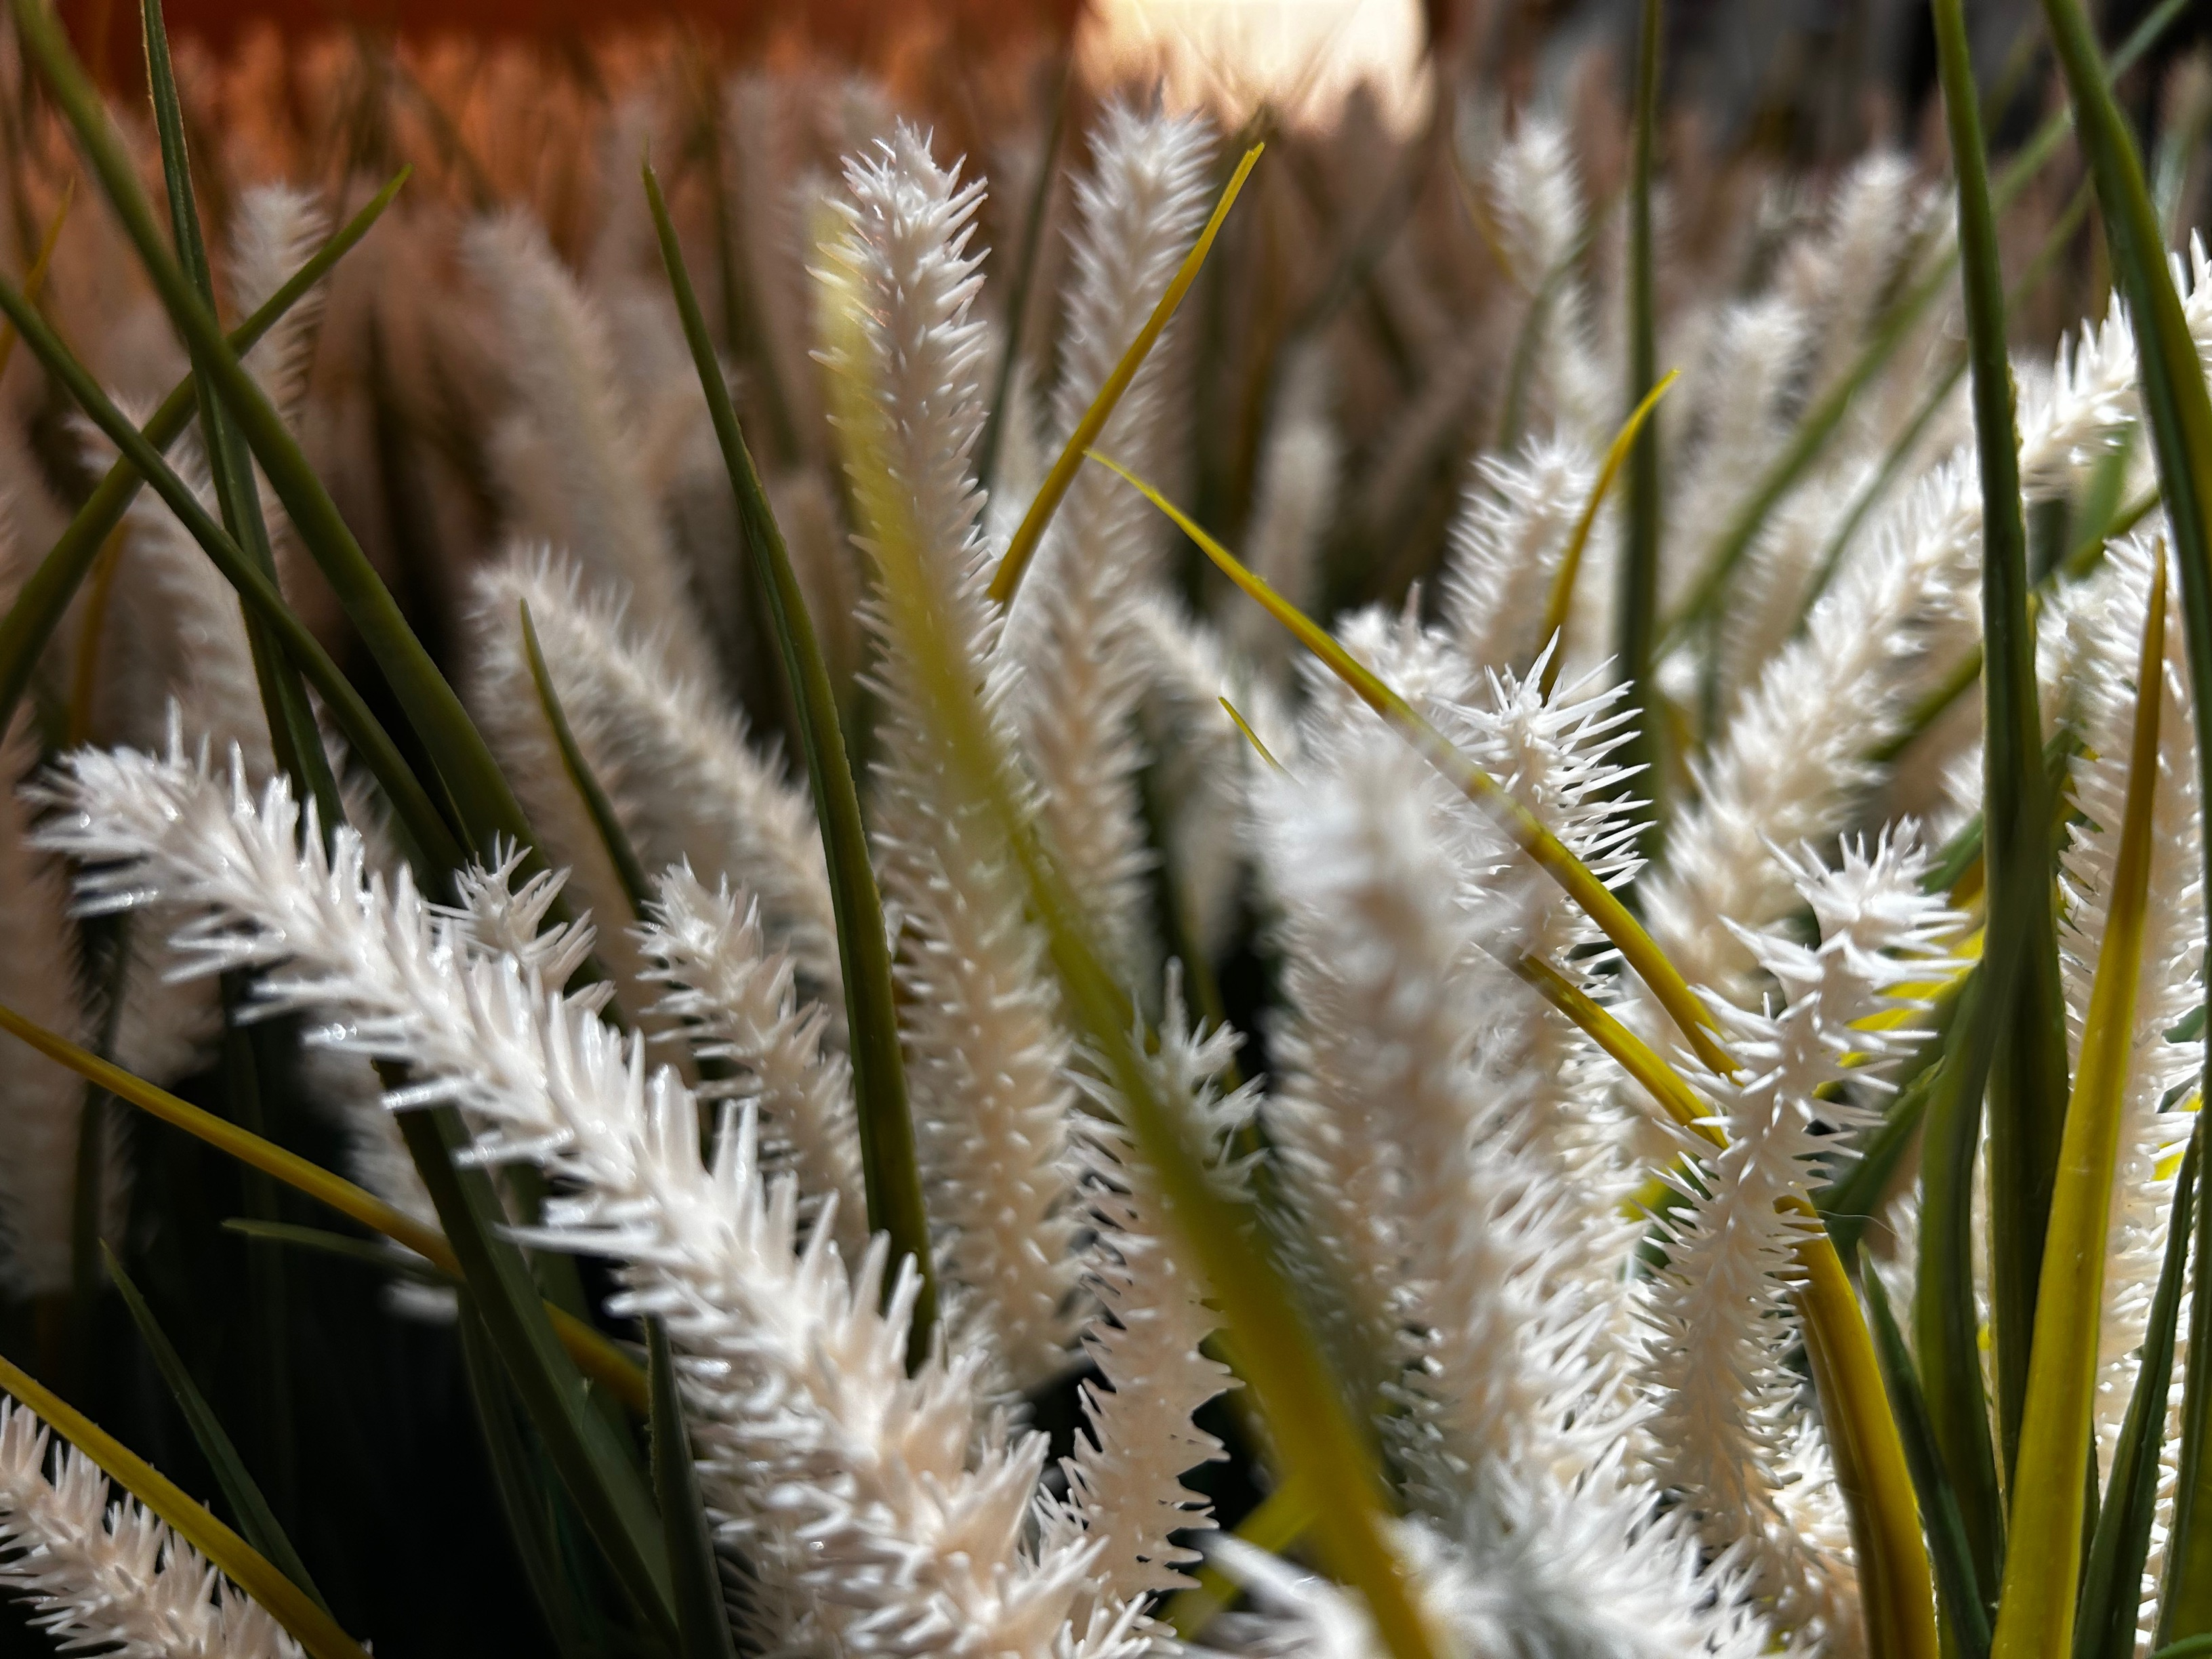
x: 985, y: 1049
x: 1126, y: 1496
x: 1294, y: 494
x: 734, y: 998
x: 887, y: 1513
x: 277, y: 231
x: 678, y: 762
x: 1791, y: 764
x: 1543, y: 215
x: 2105, y: 617
x: 1506, y: 544
x: 42, y: 1103
x: 1728, y: 1427
x: 1475, y: 1606
x: 108, y: 1575
x: 1071, y: 627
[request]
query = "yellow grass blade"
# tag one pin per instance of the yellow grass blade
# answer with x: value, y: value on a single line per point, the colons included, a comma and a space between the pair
x: 1570, y: 564
x: 1024, y: 546
x: 282, y: 1599
x: 35, y: 279
x: 1321, y: 1442
x: 1250, y: 736
x: 1869, y: 1455
x: 1283, y: 1515
x: 1630, y: 1052
x: 2035, y: 1614
x: 596, y: 1357
x: 1526, y: 832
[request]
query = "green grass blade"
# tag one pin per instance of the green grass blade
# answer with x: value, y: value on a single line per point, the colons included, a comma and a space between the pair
x: 2111, y: 1588
x: 266, y: 1274
x: 1636, y: 633
x: 1964, y: 1611
x: 2182, y: 1595
x: 1636, y: 947
x: 488, y: 808
x: 2027, y: 1074
x: 295, y: 743
x: 2171, y: 384
x: 342, y: 1246
x: 282, y: 1599
x: 1847, y: 1203
x: 702, y: 1619
x: 1945, y: 1332
x: 2036, y: 1610
x: 44, y: 598
x: 1624, y: 444
x: 1024, y: 545
x: 887, y: 1150
x: 409, y: 799
x: 257, y: 1522
x: 599, y: 1358
x: 525, y: 1489
x: 1869, y: 1457
x: 597, y: 1472
x: 620, y: 854
x: 1896, y: 1591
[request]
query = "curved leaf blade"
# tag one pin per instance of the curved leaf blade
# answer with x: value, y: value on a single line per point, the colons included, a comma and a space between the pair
x: 1057, y: 482
x: 889, y: 1170
x: 595, y: 1356
x: 45, y: 597
x: 284, y: 1600
x: 256, y: 1520
x: 2104, y: 1628
x: 2036, y: 1608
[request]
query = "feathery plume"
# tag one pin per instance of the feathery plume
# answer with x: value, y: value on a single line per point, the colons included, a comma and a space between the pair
x: 885, y: 1511
x: 678, y: 764
x: 2106, y: 615
x: 1293, y: 499
x: 1791, y: 762
x: 1541, y: 214
x: 734, y: 999
x: 1126, y: 1496
x: 111, y: 1576
x: 566, y: 452
x: 985, y: 1051
x: 1070, y: 627
x: 41, y: 1104
x: 1506, y: 542
x: 1728, y: 1432
x: 277, y: 230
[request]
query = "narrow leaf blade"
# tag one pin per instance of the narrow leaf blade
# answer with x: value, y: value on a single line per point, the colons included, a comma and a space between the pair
x: 2111, y: 1587
x: 284, y: 1602
x: 889, y: 1165
x: 702, y: 1621
x: 2036, y: 1609
x: 257, y: 1522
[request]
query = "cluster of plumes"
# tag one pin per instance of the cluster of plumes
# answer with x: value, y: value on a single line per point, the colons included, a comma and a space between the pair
x: 1449, y: 1168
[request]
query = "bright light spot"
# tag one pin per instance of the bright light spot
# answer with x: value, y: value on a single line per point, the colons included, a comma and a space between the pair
x: 1301, y: 56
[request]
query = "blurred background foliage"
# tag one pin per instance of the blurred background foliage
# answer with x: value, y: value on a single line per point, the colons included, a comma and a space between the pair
x: 1357, y: 252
